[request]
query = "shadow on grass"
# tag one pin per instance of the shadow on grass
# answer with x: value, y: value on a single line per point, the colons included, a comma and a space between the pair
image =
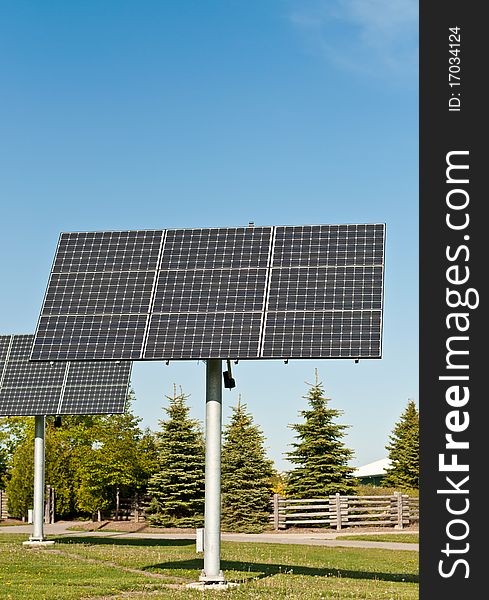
x: 263, y: 570
x: 114, y: 540
x: 259, y: 570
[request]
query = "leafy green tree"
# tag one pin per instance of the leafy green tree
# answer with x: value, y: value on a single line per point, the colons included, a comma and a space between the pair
x: 12, y: 433
x: 67, y: 449
x: 404, y: 450
x: 320, y: 456
x: 3, y: 467
x: 20, y: 484
x: 87, y: 458
x: 120, y: 459
x: 246, y: 475
x: 177, y: 486
x: 279, y: 484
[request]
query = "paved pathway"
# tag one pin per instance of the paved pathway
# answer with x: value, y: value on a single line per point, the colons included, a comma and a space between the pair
x: 310, y: 539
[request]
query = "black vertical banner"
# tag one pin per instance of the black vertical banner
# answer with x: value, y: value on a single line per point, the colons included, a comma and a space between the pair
x: 454, y: 239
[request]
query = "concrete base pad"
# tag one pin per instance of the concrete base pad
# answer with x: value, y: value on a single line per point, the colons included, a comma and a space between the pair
x: 209, y: 585
x: 38, y: 543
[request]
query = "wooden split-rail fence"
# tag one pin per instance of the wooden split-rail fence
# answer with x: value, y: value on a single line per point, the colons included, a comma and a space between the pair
x: 131, y: 509
x: 49, y: 507
x: 3, y: 505
x: 397, y: 510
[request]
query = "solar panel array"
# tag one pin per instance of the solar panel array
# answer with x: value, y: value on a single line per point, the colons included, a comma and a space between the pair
x: 248, y: 292
x: 29, y: 388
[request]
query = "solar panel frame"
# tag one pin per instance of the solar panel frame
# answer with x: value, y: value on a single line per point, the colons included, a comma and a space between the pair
x: 58, y: 388
x: 230, y: 286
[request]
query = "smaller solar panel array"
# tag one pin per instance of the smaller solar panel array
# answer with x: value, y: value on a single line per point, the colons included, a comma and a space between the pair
x: 29, y: 389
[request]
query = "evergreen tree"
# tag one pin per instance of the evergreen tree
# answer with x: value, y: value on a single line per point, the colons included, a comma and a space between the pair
x: 404, y: 450
x: 177, y: 486
x: 246, y: 475
x: 319, y: 452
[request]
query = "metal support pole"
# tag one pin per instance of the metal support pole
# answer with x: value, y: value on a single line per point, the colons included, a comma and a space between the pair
x: 38, y: 512
x: 212, y: 514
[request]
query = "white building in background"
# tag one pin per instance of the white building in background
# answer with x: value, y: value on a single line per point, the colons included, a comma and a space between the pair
x: 373, y: 472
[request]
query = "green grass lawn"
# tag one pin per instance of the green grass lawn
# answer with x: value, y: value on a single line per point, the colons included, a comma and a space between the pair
x: 412, y: 538
x: 83, y: 568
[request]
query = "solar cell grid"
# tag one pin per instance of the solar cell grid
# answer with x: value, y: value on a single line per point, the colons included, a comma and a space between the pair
x: 92, y: 337
x: 304, y: 334
x: 212, y: 335
x: 36, y: 388
x: 216, y: 248
x: 99, y: 373
x: 328, y: 245
x: 107, y: 399
x: 108, y: 251
x: 33, y: 401
x: 342, y: 288
x: 99, y: 293
x: 210, y: 290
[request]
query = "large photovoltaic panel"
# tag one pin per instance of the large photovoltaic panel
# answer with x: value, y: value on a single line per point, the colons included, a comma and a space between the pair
x: 248, y: 292
x: 34, y: 388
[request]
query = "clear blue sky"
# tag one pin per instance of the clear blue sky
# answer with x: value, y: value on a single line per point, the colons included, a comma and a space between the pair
x: 155, y: 114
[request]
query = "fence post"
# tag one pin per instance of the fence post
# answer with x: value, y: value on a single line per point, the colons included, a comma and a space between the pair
x: 338, y: 511
x: 3, y: 505
x: 406, y: 509
x: 53, y: 505
x: 49, y: 500
x: 136, y: 508
x: 46, y: 503
x: 399, y: 510
x: 276, y: 515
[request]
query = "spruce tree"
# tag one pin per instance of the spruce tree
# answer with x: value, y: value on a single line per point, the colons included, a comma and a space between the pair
x: 177, y: 486
x: 320, y: 456
x: 404, y: 450
x: 246, y: 475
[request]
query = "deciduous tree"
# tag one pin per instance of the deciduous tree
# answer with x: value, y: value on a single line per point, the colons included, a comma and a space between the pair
x: 121, y: 458
x: 20, y: 483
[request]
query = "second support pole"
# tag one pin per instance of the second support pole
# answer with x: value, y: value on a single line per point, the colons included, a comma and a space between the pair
x: 37, y: 537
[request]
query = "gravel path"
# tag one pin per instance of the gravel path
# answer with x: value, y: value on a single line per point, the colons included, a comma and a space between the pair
x: 311, y: 539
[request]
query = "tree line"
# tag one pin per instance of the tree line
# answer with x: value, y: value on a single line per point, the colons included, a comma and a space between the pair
x: 91, y: 459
